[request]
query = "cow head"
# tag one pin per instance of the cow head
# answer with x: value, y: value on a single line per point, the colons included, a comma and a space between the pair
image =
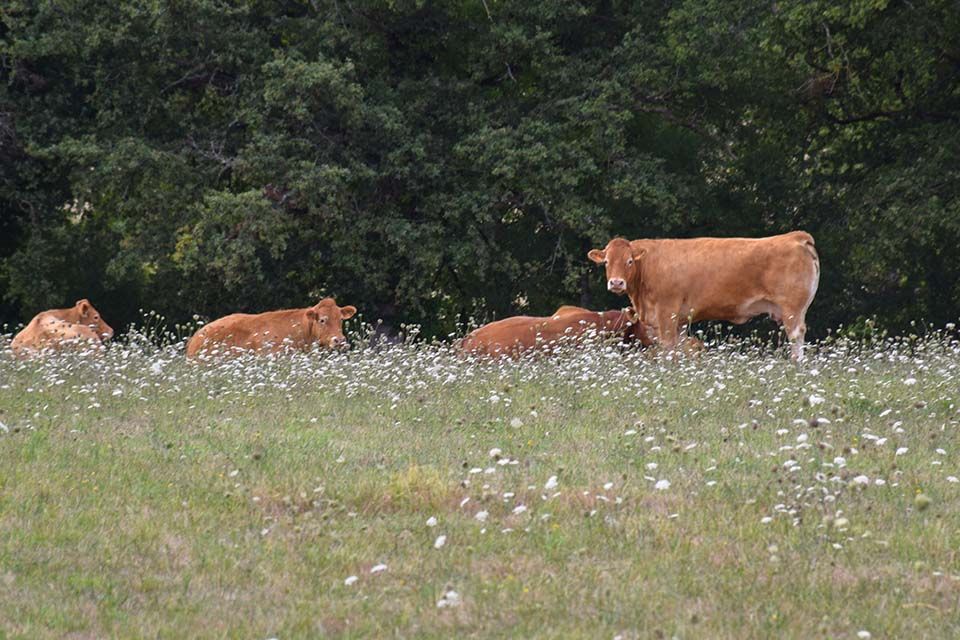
x: 90, y: 317
x: 626, y: 324
x: 325, y: 321
x: 622, y: 262
x: 637, y: 329
x: 617, y: 321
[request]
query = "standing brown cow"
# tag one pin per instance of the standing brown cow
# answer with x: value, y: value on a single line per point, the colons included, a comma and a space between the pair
x: 56, y: 328
x: 297, y: 329
x: 674, y: 283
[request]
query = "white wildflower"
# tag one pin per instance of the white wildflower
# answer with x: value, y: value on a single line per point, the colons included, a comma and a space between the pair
x: 450, y: 599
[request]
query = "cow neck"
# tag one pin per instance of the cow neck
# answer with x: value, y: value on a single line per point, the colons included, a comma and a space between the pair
x: 637, y: 283
x: 300, y: 324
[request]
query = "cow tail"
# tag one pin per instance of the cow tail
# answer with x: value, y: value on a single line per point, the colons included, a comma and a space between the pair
x: 809, y: 245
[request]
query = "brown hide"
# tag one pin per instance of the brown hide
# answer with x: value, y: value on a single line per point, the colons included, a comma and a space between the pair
x: 56, y: 328
x: 297, y: 329
x: 512, y: 336
x: 673, y: 283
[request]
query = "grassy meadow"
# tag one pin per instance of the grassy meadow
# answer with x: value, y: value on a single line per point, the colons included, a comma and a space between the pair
x: 408, y: 492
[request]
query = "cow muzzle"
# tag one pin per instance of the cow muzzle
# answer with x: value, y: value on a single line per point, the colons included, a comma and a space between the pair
x: 338, y: 342
x: 617, y: 285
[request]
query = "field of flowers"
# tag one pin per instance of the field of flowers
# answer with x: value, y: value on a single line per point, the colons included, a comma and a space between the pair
x: 407, y: 491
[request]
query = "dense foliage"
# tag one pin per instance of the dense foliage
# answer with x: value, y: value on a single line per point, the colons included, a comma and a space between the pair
x: 426, y: 159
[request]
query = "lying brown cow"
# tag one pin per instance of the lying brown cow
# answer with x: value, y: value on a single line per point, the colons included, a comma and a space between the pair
x: 673, y: 283
x: 512, y: 336
x: 79, y: 325
x: 297, y: 329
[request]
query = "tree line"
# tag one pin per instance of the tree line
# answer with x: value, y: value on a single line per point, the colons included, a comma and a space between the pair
x: 428, y: 161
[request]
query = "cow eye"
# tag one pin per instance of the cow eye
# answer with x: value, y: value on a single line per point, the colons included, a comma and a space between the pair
x: 323, y: 320
x: 629, y: 262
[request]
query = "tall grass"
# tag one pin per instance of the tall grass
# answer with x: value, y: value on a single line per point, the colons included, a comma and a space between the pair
x: 403, y: 490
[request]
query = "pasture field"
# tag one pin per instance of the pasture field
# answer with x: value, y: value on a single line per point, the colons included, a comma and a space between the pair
x: 407, y: 492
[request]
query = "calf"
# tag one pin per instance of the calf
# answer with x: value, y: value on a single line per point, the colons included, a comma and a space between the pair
x: 513, y: 336
x: 297, y: 329
x: 59, y: 328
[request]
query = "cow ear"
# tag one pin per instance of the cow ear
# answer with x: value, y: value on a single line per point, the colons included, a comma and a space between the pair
x: 312, y: 314
x: 639, y: 253
x: 597, y: 255
x: 83, y: 306
x: 348, y: 311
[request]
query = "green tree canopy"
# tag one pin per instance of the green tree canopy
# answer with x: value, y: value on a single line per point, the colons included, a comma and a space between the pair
x: 423, y: 159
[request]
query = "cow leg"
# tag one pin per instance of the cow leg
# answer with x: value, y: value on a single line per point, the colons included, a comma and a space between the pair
x: 794, y: 307
x: 692, y: 346
x: 668, y: 330
x: 796, y: 329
